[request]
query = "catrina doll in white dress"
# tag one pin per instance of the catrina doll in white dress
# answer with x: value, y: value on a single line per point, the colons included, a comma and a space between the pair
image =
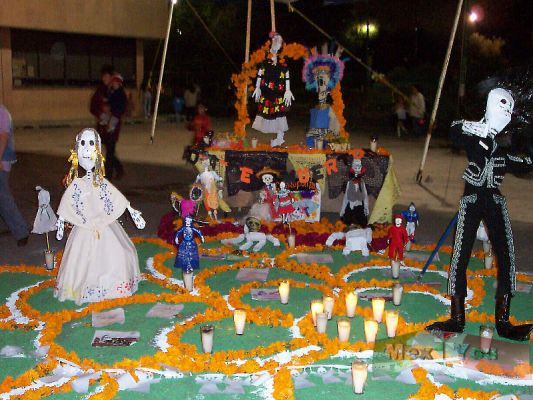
x: 100, y: 261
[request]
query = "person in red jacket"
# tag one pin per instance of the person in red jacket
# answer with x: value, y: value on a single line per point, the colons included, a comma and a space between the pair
x: 397, y: 238
x: 200, y: 125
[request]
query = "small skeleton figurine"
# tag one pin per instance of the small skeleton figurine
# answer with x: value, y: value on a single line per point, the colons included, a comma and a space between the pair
x: 46, y: 219
x: 187, y: 258
x: 321, y: 73
x: 273, y: 94
x: 211, y: 184
x: 411, y: 216
x: 100, y: 261
x: 397, y: 239
x: 354, y: 209
x: 284, y: 203
x: 482, y: 200
x: 357, y: 239
x: 252, y: 234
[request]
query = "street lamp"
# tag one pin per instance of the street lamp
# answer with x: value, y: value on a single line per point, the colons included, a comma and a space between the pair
x: 472, y: 16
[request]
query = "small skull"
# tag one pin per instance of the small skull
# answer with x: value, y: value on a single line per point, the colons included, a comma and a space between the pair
x: 267, y: 179
x: 253, y: 224
x: 86, y: 148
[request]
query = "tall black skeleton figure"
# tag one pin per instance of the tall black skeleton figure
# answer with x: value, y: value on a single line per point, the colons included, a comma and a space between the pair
x: 482, y: 201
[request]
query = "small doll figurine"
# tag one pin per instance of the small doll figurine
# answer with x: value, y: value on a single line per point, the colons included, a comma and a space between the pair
x: 46, y: 219
x: 211, y: 184
x: 354, y: 209
x: 187, y: 258
x: 411, y: 216
x: 284, y: 202
x: 397, y: 239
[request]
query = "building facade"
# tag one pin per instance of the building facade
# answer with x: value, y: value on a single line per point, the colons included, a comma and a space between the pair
x: 51, y: 53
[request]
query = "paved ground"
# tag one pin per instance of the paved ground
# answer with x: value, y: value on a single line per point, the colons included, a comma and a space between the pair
x: 155, y: 170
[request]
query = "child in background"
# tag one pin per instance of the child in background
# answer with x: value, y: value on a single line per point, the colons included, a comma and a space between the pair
x: 179, y: 104
x: 200, y: 125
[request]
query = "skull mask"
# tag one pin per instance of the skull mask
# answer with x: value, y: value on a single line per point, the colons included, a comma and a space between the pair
x: 322, y: 77
x: 87, y: 148
x: 398, y: 221
x: 357, y: 166
x: 253, y: 224
x: 500, y: 106
x: 267, y: 179
x: 277, y: 42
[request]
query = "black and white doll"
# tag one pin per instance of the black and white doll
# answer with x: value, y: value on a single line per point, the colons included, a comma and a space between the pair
x: 487, y: 164
x: 354, y: 208
x: 273, y: 94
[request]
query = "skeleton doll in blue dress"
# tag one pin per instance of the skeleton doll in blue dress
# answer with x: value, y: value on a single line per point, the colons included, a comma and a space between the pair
x: 187, y: 258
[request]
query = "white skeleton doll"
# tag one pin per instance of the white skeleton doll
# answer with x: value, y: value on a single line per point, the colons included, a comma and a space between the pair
x: 482, y: 200
x: 356, y: 240
x: 252, y: 235
x: 100, y: 261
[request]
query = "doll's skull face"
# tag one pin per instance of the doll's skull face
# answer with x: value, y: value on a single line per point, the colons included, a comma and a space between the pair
x: 253, y: 224
x: 398, y: 222
x: 500, y: 106
x: 282, y: 185
x: 188, y: 222
x: 357, y: 166
x: 412, y: 208
x: 267, y: 179
x: 86, y: 143
x: 205, y: 162
x: 277, y: 41
x: 322, y: 80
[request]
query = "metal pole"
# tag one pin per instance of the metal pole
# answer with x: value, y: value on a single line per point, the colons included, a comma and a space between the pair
x: 247, y: 49
x: 439, y: 91
x: 162, y: 70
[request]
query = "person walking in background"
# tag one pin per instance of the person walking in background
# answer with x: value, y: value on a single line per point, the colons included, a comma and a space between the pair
x: 9, y: 211
x: 400, y: 115
x: 147, y: 100
x: 99, y: 103
x: 117, y: 107
x: 178, y: 102
x: 191, y: 96
x: 417, y: 111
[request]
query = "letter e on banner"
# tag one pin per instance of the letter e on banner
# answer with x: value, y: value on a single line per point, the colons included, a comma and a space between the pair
x: 303, y: 175
x: 331, y: 166
x: 245, y: 174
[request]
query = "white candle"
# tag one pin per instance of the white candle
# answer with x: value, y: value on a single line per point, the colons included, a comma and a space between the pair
x: 291, y: 239
x: 329, y: 302
x: 371, y: 330
x: 284, y: 290
x: 378, y: 305
x: 316, y: 307
x: 188, y: 280
x: 343, y: 329
x: 319, y: 144
x: 485, y: 333
x: 395, y: 269
x: 239, y: 320
x: 254, y: 143
x: 351, y: 304
x: 397, y: 291
x: 359, y: 375
x: 49, y: 260
x: 488, y: 261
x: 207, y: 332
x: 391, y: 319
x: 321, y: 322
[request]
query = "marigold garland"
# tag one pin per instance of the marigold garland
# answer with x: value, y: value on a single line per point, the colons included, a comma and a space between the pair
x: 185, y: 357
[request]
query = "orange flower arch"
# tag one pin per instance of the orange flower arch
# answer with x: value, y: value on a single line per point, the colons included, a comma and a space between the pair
x: 244, y: 81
